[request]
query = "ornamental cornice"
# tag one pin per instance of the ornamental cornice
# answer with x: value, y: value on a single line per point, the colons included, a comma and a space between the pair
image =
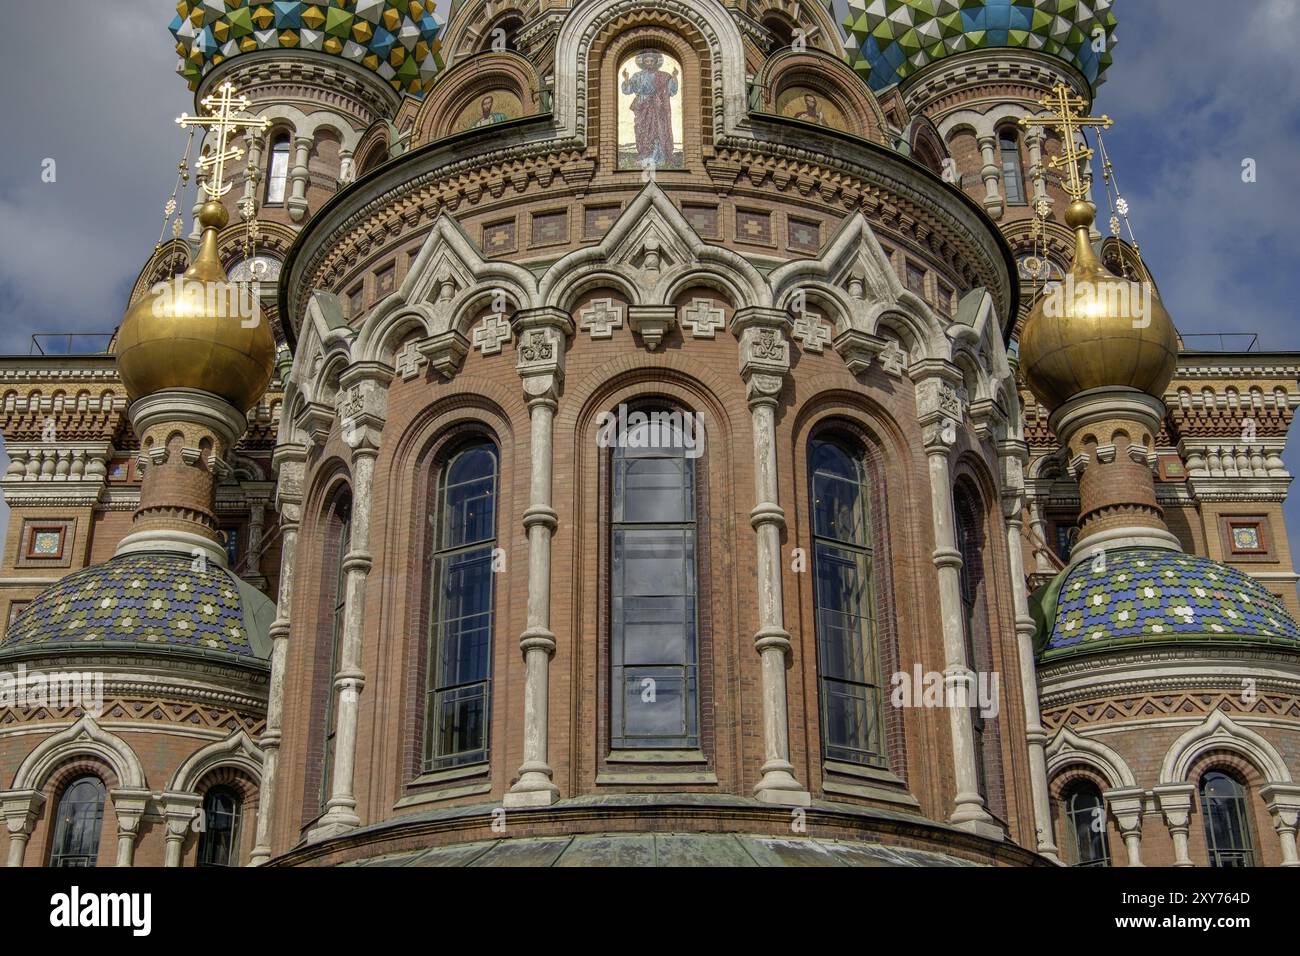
x: 941, y: 85
x: 392, y: 208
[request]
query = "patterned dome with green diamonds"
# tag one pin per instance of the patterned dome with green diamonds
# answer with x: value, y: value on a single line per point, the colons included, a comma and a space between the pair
x: 395, y: 39
x: 889, y: 40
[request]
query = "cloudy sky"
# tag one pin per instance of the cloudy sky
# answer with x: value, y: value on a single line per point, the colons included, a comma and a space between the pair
x: 1194, y: 91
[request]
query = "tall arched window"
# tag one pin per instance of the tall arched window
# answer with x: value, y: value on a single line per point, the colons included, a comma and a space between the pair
x: 277, y: 170
x: 979, y: 651
x: 219, y: 841
x: 1085, y: 814
x: 848, y: 653
x: 654, y: 639
x: 460, y: 637
x: 1227, y: 827
x: 339, y: 531
x: 78, y: 822
x: 1013, y: 177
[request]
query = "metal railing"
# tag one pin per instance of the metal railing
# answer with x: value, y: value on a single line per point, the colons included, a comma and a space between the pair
x: 1244, y: 341
x: 70, y: 343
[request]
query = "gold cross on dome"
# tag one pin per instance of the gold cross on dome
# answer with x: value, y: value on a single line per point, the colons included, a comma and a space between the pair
x: 223, y: 107
x: 1066, y: 117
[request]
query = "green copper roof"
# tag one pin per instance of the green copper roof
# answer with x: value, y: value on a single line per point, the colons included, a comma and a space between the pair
x: 148, y: 599
x: 890, y: 40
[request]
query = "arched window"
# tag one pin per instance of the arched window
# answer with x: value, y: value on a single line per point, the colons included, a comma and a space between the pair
x: 848, y: 652
x: 78, y: 822
x: 1013, y: 177
x: 654, y: 639
x: 1085, y: 814
x: 219, y: 841
x: 1227, y: 828
x: 460, y: 637
x: 277, y: 170
x: 979, y: 651
x: 338, y: 541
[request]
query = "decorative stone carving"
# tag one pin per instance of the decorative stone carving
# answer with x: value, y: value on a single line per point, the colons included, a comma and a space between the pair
x: 492, y: 333
x: 703, y: 318
x: 601, y: 318
x: 652, y: 322
x: 812, y: 331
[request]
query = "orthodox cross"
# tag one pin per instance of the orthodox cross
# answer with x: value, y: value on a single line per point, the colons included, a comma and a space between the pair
x: 1065, y: 115
x: 222, y: 121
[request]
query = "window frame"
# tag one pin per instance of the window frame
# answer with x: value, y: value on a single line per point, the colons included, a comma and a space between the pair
x: 688, y: 747
x: 279, y: 138
x: 233, y: 832
x: 1071, y: 814
x: 429, y: 760
x: 1012, y: 172
x: 1249, y: 853
x: 62, y: 858
x: 855, y: 450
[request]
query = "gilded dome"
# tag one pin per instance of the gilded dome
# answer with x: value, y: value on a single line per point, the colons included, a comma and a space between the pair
x: 198, y: 331
x: 1096, y: 330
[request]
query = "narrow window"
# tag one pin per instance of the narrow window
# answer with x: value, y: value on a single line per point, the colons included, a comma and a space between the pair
x: 1085, y: 811
x: 277, y: 170
x: 341, y: 527
x: 970, y: 542
x: 77, y: 825
x: 219, y: 840
x: 460, y: 668
x: 654, y: 632
x: 848, y: 659
x: 1227, y: 832
x: 1013, y: 178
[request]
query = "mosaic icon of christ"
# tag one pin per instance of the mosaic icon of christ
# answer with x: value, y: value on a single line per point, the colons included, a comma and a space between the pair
x: 650, y: 113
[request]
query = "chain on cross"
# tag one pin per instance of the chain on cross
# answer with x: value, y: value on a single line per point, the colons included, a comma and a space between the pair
x: 223, y: 107
x: 1066, y: 117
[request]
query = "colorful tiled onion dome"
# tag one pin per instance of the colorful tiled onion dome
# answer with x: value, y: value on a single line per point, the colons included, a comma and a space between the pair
x: 890, y: 40
x: 1149, y: 595
x: 147, y: 600
x: 396, y: 39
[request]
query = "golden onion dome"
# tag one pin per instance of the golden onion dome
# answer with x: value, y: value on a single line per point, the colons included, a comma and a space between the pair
x: 1095, y: 329
x: 198, y: 331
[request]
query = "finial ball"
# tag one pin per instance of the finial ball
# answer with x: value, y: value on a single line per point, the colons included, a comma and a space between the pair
x: 1080, y: 214
x: 213, y: 214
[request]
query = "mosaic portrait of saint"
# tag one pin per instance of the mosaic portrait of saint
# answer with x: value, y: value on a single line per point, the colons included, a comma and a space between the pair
x: 496, y: 106
x: 805, y: 104
x: 650, y: 112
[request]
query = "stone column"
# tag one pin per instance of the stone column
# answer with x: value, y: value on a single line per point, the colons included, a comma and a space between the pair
x: 128, y: 806
x: 255, y: 141
x: 1012, y: 455
x: 764, y: 335
x: 1283, y: 802
x: 299, y: 175
x: 289, y: 461
x: 1038, y: 524
x: 940, y: 414
x: 1126, y: 806
x: 1175, y: 801
x: 179, y: 812
x: 20, y: 809
x: 362, y: 409
x: 992, y: 174
x: 541, y: 335
x: 256, y: 526
x: 347, y: 167
x: 1034, y: 141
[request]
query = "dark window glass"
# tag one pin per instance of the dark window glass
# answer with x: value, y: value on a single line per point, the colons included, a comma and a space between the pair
x: 847, y: 656
x: 1227, y: 832
x: 971, y: 546
x: 77, y: 825
x: 654, y: 639
x: 1085, y: 812
x: 460, y: 686
x: 219, y: 841
x: 342, y: 543
x: 1013, y: 179
x: 277, y: 170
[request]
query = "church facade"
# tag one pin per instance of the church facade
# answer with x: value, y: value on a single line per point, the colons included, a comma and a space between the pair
x: 654, y: 445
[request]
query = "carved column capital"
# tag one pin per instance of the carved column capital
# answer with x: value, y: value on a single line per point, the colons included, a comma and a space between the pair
x: 764, y: 335
x: 541, y: 342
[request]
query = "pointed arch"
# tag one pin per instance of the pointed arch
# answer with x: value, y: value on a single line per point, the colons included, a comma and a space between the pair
x: 1068, y: 748
x: 85, y: 737
x: 237, y: 750
x: 1221, y: 732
